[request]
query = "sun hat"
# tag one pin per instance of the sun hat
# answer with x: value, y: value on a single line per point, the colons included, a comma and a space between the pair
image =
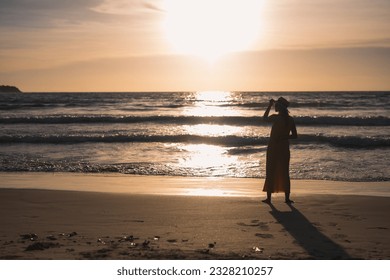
x: 282, y: 101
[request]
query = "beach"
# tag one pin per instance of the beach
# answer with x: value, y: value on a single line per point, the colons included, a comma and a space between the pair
x: 78, y: 216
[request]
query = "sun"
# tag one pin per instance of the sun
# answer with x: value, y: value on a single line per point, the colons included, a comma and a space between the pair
x: 211, y: 28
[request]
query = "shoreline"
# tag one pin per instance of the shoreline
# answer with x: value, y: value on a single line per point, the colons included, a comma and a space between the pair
x: 171, y: 185
x: 183, y: 221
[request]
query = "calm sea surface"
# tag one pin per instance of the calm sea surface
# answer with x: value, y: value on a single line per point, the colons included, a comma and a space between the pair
x: 342, y: 135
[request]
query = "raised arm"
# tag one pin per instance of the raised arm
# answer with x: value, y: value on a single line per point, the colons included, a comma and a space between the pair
x: 266, y: 113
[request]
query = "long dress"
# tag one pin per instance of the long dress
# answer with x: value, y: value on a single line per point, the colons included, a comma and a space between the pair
x: 278, y: 155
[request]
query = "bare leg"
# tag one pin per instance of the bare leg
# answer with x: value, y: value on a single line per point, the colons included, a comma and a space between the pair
x: 287, y: 196
x: 268, y: 200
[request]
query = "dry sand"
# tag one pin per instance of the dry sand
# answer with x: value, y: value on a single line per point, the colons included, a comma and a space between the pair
x: 46, y: 216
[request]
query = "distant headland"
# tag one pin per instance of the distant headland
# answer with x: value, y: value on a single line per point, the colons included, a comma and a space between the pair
x: 9, y: 89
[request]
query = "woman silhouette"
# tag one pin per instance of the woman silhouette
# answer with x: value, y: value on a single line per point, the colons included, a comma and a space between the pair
x: 278, y: 150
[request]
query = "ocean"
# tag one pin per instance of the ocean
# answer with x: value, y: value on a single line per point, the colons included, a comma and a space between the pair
x: 341, y: 135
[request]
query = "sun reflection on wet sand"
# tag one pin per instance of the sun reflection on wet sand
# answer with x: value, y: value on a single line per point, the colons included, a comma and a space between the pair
x: 208, y: 192
x: 213, y: 186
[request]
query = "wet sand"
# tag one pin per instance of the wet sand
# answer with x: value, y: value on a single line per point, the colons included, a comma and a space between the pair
x: 180, y: 219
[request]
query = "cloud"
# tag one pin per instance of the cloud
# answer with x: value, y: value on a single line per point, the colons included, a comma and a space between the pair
x: 50, y: 32
x: 45, y: 13
x: 125, y: 7
x: 40, y: 13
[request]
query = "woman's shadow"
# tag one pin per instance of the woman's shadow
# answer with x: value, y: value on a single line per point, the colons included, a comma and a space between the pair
x: 316, y: 244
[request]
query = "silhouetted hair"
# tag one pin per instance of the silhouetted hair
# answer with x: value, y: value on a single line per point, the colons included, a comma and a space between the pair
x: 283, y: 104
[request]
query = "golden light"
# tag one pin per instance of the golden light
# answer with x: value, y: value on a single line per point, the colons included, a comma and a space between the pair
x: 205, y: 156
x: 213, y: 96
x: 213, y: 130
x: 213, y: 186
x: 209, y: 103
x: 208, y: 192
x: 211, y: 28
x: 211, y: 159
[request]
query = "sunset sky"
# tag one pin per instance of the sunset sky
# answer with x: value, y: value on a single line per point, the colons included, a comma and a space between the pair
x: 190, y: 45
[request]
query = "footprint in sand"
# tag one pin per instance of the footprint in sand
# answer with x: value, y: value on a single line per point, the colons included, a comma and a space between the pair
x: 172, y: 240
x: 264, y: 235
x: 137, y: 221
x: 384, y: 228
x: 256, y: 223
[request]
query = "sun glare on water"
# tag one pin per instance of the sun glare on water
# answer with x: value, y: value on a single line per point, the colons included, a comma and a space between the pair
x: 209, y: 103
x: 211, y: 28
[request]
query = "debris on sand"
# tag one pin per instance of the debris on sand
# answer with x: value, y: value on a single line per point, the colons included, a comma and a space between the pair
x: 42, y: 246
x: 258, y: 250
x: 29, y: 236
